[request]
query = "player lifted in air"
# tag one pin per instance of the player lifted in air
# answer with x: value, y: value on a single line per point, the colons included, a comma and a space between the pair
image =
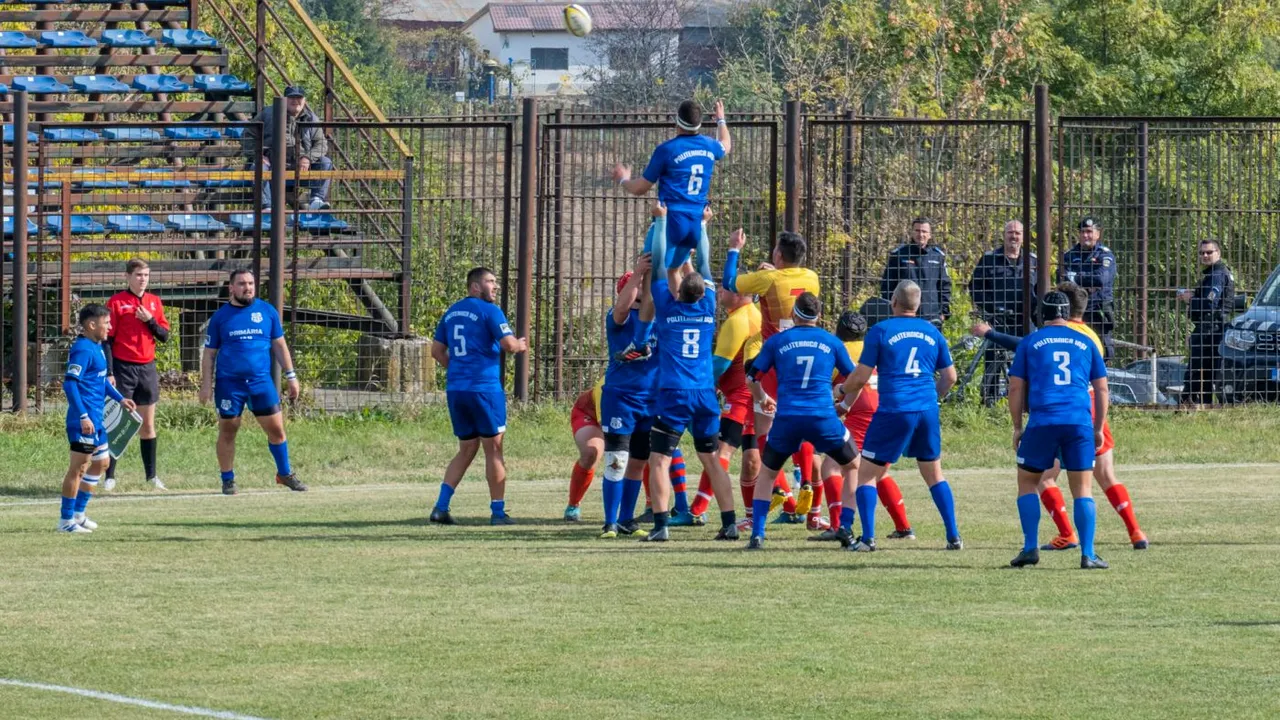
x: 468, y: 343
x: 906, y: 352
x: 803, y: 359
x: 682, y: 168
x: 1051, y: 376
x: 86, y: 387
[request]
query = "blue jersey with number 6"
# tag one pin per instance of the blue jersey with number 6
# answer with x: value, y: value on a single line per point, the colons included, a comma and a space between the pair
x: 803, y: 358
x: 1058, y: 363
x: 686, y: 336
x: 471, y: 329
x: 906, y: 352
x: 682, y: 167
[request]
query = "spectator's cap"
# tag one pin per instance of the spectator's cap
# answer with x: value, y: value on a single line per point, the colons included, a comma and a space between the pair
x: 295, y: 91
x: 1088, y: 223
x: 1055, y: 306
x: 622, y: 281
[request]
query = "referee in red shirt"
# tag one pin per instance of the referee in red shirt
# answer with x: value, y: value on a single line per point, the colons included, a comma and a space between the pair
x: 137, y: 322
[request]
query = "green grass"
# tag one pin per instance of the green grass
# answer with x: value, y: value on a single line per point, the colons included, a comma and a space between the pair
x: 342, y: 603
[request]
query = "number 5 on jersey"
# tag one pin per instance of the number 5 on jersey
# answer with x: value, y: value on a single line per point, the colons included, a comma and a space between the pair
x: 461, y: 348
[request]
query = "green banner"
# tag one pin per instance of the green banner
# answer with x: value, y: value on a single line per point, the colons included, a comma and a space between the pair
x: 121, y: 426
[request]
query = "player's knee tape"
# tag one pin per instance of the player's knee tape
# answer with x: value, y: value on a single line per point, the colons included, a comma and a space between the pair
x: 731, y: 433
x: 93, y: 483
x: 772, y: 459
x: 100, y: 454
x: 760, y: 411
x: 640, y: 446
x: 615, y: 464
x: 749, y: 442
x: 845, y: 454
x: 706, y: 444
x: 663, y: 440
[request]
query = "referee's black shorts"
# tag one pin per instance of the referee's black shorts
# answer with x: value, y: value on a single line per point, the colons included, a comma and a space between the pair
x: 138, y: 382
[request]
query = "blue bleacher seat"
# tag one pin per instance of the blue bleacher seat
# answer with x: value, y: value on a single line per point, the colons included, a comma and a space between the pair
x: 159, y: 83
x: 99, y: 84
x: 48, y: 184
x: 244, y: 221
x: 8, y: 227
x: 14, y: 40
x: 233, y: 132
x: 194, y: 223
x: 88, y: 184
x: 127, y: 39
x: 222, y: 84
x: 39, y: 84
x: 130, y: 133
x: 166, y: 183
x: 8, y: 135
x: 188, y: 40
x: 192, y: 133
x: 133, y: 224
x: 321, y: 223
x: 70, y: 135
x: 80, y: 225
x: 67, y: 39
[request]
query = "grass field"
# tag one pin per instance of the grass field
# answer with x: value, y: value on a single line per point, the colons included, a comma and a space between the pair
x: 343, y: 603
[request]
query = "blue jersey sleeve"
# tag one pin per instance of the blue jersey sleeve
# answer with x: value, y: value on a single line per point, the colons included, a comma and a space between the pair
x: 213, y: 333
x: 657, y: 164
x: 496, y: 322
x: 871, y: 348
x: 717, y: 149
x: 277, y: 330
x: 1004, y: 340
x: 763, y: 361
x: 844, y: 364
x: 441, y: 335
x: 944, y: 353
x: 1097, y: 366
x: 77, y: 363
x: 1018, y: 368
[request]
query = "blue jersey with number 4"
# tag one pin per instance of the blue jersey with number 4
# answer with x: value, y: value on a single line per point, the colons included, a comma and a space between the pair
x: 472, y: 328
x: 682, y: 167
x: 686, y: 336
x: 803, y: 359
x: 243, y: 336
x: 906, y: 352
x: 1059, y: 364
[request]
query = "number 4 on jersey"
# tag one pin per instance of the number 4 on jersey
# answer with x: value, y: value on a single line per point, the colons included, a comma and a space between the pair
x: 913, y: 365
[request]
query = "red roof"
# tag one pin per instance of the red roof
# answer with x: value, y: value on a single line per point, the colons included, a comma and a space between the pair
x: 549, y: 17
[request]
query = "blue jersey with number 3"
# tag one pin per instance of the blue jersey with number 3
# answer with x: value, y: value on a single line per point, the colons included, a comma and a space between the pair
x: 471, y: 329
x: 906, y: 352
x: 686, y: 336
x: 682, y: 167
x: 803, y: 358
x: 1059, y: 364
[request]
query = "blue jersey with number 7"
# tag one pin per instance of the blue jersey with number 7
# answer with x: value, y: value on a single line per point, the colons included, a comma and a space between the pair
x: 803, y: 359
x: 1058, y: 363
x: 906, y: 353
x: 681, y: 168
x: 686, y: 336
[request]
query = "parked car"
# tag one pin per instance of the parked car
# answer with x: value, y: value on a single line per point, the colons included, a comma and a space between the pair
x: 1129, y: 388
x: 1251, y: 348
x: 1171, y: 373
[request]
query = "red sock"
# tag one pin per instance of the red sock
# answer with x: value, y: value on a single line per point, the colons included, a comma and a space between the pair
x: 1118, y: 494
x: 804, y: 460
x: 833, y: 485
x: 782, y: 483
x: 891, y: 498
x: 579, y: 482
x: 817, y: 496
x: 644, y: 479
x: 703, y: 500
x: 1057, y: 507
x: 748, y: 495
x: 677, y: 472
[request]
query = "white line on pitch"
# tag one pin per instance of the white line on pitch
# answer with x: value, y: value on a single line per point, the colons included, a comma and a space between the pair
x: 125, y: 700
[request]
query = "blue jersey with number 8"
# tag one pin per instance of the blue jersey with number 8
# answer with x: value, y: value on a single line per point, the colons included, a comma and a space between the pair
x: 681, y: 168
x: 1058, y: 363
x: 686, y: 337
x: 906, y: 353
x: 803, y: 358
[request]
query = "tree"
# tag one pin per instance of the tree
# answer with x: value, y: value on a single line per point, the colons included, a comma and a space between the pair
x: 637, y: 46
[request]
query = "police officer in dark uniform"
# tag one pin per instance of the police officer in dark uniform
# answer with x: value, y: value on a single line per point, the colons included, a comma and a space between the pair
x: 996, y: 289
x: 1207, y: 306
x: 1092, y: 266
x: 926, y: 266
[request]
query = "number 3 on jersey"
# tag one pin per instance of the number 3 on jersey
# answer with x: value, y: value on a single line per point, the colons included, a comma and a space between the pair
x: 695, y: 179
x: 690, y: 347
x: 1064, y: 377
x: 913, y: 365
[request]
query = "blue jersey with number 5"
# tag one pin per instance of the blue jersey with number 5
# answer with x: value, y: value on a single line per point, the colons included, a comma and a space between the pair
x: 686, y: 336
x: 471, y: 329
x: 681, y: 168
x: 1059, y: 364
x: 906, y: 352
x: 803, y: 358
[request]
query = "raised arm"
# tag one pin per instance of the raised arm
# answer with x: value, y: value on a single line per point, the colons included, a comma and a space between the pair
x: 631, y: 290
x: 722, y: 128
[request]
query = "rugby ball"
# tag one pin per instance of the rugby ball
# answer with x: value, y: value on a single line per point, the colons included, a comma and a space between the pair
x: 577, y: 20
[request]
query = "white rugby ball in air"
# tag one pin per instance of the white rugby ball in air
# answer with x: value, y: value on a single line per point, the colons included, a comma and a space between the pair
x: 577, y: 20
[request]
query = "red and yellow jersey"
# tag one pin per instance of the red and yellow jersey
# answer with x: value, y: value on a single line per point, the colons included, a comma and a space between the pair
x: 595, y: 396
x: 778, y: 290
x: 738, y: 341
x: 869, y: 399
x: 1082, y: 327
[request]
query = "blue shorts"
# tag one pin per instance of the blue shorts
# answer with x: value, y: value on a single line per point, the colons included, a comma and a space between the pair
x: 697, y: 411
x: 230, y: 395
x: 684, y: 227
x: 914, y: 434
x: 826, y: 434
x: 1042, y: 444
x: 625, y: 412
x: 93, y: 445
x: 477, y: 414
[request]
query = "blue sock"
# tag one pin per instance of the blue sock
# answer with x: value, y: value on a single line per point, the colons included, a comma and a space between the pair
x: 1029, y: 514
x: 682, y: 502
x: 612, y: 491
x: 228, y: 476
x: 68, y: 508
x: 281, y: 454
x: 866, y: 498
x: 1086, y: 517
x: 759, y: 517
x: 846, y: 518
x: 498, y: 508
x: 630, y: 494
x: 82, y: 500
x: 446, y: 495
x: 946, y: 508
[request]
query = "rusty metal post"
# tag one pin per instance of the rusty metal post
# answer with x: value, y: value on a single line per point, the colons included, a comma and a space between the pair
x: 279, y: 209
x: 508, y: 192
x: 524, y: 252
x: 557, y: 248
x: 1028, y: 299
x: 193, y: 13
x: 20, y: 308
x: 65, y: 248
x: 790, y: 168
x: 1044, y: 184
x: 846, y: 209
x: 1144, y: 289
x: 258, y: 209
x: 773, y: 186
x: 328, y: 90
x: 260, y: 55
x: 406, y: 249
